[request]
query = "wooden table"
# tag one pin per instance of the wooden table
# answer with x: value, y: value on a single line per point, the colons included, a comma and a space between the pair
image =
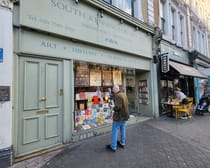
x: 170, y: 105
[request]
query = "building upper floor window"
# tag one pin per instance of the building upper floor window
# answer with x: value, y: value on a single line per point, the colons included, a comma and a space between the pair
x: 132, y: 7
x: 198, y: 40
x: 108, y: 1
x: 173, y: 23
x: 125, y: 5
x: 137, y: 9
x: 182, y: 30
x: 203, y: 46
x: 194, y: 37
x: 162, y: 15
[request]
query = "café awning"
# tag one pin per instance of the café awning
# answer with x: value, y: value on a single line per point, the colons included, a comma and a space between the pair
x: 206, y: 71
x: 186, y: 70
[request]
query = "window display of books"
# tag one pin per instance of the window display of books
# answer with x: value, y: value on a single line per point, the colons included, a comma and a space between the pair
x: 92, y: 112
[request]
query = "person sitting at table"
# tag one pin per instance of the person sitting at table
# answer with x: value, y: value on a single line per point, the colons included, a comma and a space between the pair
x: 182, y: 98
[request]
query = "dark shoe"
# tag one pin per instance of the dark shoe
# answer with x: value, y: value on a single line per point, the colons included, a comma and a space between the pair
x: 108, y: 147
x: 120, y: 145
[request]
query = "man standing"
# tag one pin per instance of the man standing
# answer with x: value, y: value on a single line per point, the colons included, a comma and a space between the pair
x: 120, y: 116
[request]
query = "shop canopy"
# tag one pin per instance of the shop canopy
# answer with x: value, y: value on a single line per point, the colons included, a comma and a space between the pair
x: 206, y: 71
x: 186, y: 70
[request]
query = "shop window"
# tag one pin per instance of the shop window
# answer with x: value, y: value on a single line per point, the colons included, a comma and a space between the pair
x: 93, y: 93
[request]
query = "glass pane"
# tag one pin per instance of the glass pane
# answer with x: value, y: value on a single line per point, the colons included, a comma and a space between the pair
x: 127, y: 7
x: 108, y: 1
x: 124, y: 5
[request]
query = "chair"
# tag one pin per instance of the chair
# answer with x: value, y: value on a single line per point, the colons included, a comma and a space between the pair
x: 185, y: 110
x: 190, y: 99
x: 176, y: 107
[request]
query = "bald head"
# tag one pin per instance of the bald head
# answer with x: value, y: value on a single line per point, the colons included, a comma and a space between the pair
x: 116, y: 88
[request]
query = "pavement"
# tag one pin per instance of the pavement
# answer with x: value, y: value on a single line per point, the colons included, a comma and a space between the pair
x: 156, y: 143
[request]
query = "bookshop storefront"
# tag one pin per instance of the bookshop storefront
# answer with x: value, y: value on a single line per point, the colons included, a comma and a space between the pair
x: 66, y: 70
x: 93, y: 83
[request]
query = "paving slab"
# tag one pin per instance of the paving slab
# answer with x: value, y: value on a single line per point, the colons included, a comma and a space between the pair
x: 155, y: 143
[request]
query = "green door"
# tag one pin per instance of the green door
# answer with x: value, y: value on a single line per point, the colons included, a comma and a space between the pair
x: 40, y: 104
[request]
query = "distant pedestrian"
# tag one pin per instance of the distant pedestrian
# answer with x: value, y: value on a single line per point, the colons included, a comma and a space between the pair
x: 120, y: 116
x: 205, y: 99
x: 206, y: 90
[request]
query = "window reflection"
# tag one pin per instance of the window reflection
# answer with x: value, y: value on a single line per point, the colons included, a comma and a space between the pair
x: 132, y: 7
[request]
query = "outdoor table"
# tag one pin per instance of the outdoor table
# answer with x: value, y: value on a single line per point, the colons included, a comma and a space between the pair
x: 170, y: 105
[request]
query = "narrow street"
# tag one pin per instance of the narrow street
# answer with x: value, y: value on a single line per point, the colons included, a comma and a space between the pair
x: 156, y: 143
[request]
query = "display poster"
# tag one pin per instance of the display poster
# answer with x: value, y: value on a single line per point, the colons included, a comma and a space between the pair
x: 117, y: 77
x: 107, y: 78
x: 82, y: 76
x: 143, y: 92
x: 95, y: 77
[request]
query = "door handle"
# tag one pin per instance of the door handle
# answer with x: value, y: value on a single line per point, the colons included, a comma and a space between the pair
x: 61, y: 92
x: 43, y: 99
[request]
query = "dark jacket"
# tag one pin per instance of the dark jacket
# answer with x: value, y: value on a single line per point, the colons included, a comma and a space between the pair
x: 121, y: 107
x: 207, y: 92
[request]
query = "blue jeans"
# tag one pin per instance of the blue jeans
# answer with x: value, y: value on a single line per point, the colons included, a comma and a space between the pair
x: 116, y: 125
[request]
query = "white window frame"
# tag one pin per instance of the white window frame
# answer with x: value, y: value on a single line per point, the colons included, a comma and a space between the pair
x: 194, y: 45
x: 173, y: 24
x: 203, y: 44
x: 163, y: 16
x: 134, y: 8
x: 123, y: 5
x: 137, y: 9
x: 182, y: 31
x: 199, y: 40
